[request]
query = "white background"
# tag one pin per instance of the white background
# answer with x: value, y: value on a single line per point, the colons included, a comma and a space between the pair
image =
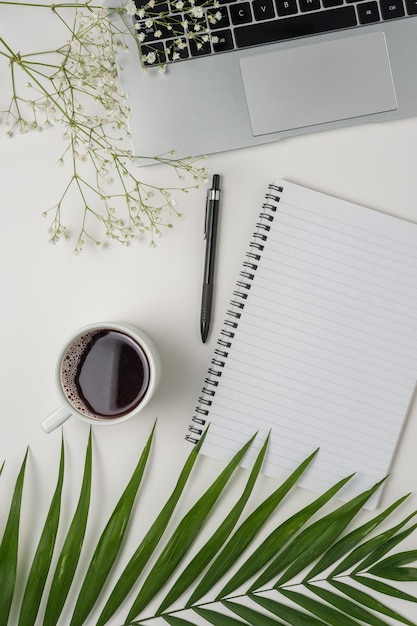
x: 48, y: 292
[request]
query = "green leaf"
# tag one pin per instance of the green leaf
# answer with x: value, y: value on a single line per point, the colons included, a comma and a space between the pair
x: 260, y: 619
x: 147, y: 547
x: 216, y: 541
x: 349, y: 607
x: 312, y: 542
x: 369, y: 549
x: 9, y: 547
x: 396, y: 560
x: 404, y: 574
x: 371, y: 603
x: 109, y: 543
x: 174, y: 620
x: 351, y: 540
x: 382, y: 549
x: 218, y: 619
x: 323, y: 611
x: 293, y: 616
x: 383, y: 588
x: 275, y: 542
x: 246, y: 533
x: 183, y: 537
x: 71, y: 549
x: 42, y: 560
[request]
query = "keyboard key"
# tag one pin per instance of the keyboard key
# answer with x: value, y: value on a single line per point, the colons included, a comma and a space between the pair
x: 411, y: 7
x: 390, y: 9
x: 263, y: 9
x: 161, y: 6
x: 169, y: 27
x: 286, y: 7
x: 224, y: 41
x: 198, y: 47
x: 309, y: 5
x: 241, y: 13
x: 153, y: 54
x: 368, y: 12
x: 177, y: 49
x: 297, y: 26
x: 331, y: 3
x: 221, y: 22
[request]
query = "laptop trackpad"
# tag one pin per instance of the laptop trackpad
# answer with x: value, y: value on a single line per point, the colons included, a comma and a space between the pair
x: 318, y: 83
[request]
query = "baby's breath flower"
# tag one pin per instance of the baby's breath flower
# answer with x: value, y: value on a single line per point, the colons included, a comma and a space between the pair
x: 76, y: 87
x: 130, y: 7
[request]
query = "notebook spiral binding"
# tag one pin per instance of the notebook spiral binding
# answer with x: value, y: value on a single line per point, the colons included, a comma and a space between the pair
x: 237, y: 304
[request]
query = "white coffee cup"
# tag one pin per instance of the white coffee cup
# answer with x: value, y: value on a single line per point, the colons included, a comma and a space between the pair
x: 105, y: 373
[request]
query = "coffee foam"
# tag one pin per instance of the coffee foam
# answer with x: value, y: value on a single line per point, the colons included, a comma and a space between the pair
x: 69, y: 367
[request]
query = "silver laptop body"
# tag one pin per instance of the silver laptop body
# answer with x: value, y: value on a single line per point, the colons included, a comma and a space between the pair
x: 266, y: 92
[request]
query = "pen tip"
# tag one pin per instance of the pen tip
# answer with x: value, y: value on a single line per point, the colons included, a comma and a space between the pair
x: 216, y: 181
x: 204, y: 332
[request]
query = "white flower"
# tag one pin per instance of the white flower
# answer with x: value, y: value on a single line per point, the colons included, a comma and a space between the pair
x: 130, y: 7
x: 150, y: 58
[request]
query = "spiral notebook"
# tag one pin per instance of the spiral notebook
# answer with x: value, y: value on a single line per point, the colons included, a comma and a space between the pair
x: 319, y: 344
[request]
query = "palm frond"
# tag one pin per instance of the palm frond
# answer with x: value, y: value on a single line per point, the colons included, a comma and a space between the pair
x: 311, y: 570
x: 9, y: 548
x: 43, y: 556
x: 71, y: 550
x: 217, y: 540
x: 148, y: 545
x: 109, y: 543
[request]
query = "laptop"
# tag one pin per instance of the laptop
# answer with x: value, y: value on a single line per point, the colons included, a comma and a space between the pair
x: 271, y: 69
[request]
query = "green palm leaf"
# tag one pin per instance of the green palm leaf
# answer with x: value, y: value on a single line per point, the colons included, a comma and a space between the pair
x: 109, y: 543
x: 217, y: 540
x: 71, y: 549
x: 245, y: 534
x: 370, y: 551
x: 392, y: 567
x: 174, y: 620
x: 383, y: 588
x: 349, y: 607
x: 311, y: 543
x: 382, y: 548
x: 367, y: 600
x: 349, y: 596
x: 288, y: 613
x: 147, y: 547
x: 347, y: 543
x: 9, y: 548
x: 183, y: 536
x: 42, y: 560
x: 218, y: 619
x: 328, y: 614
x: 275, y: 542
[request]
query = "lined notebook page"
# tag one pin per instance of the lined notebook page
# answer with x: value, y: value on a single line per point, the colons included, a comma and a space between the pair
x: 322, y: 352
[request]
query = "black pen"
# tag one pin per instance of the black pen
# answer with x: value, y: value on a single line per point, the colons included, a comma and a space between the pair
x: 210, y: 235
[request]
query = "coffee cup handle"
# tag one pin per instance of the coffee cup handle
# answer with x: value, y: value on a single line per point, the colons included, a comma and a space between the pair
x: 54, y: 420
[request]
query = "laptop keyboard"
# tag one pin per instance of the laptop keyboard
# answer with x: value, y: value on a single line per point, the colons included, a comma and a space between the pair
x: 242, y: 23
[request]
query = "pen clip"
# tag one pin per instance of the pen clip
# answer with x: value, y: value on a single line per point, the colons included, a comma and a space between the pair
x: 213, y: 195
x: 208, y: 212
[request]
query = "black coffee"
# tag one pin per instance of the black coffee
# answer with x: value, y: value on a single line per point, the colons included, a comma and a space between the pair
x: 105, y: 374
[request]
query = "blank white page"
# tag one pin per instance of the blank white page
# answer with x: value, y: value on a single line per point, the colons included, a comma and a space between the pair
x: 319, y: 345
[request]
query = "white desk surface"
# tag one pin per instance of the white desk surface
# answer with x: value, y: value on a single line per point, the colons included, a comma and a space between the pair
x: 48, y: 291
